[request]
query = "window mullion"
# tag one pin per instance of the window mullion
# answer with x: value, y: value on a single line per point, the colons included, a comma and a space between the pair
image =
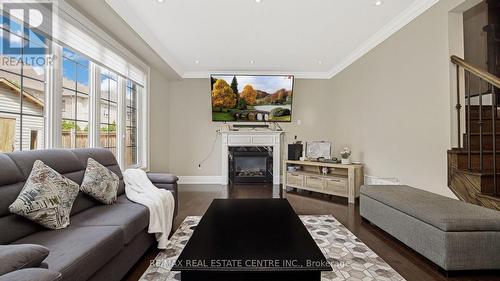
x: 120, y: 130
x: 95, y: 105
x: 53, y: 89
x: 143, y: 123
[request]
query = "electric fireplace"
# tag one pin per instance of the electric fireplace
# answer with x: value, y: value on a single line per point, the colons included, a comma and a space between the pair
x: 251, y: 164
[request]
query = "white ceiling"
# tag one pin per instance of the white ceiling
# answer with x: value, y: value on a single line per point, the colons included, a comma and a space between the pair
x: 308, y: 38
x: 101, y: 14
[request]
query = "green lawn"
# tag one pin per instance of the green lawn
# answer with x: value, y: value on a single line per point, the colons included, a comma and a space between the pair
x: 280, y: 118
x: 222, y: 116
x: 227, y: 115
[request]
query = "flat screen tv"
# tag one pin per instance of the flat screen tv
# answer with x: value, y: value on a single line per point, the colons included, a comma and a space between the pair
x: 252, y: 98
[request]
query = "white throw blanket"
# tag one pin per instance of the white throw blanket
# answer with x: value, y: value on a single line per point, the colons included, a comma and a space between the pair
x: 160, y: 203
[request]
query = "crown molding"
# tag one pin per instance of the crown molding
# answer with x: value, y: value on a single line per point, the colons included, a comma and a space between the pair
x: 300, y: 75
x: 404, y: 18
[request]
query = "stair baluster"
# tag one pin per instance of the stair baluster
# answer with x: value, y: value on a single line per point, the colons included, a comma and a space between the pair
x: 494, y: 118
x: 458, y: 106
x: 481, y: 157
x: 468, y: 130
x: 472, y: 167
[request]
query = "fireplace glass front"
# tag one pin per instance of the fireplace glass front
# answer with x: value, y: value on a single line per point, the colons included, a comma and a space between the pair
x: 250, y: 164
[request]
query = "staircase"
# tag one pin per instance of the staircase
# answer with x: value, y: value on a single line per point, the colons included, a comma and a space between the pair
x: 474, y: 165
x: 471, y: 173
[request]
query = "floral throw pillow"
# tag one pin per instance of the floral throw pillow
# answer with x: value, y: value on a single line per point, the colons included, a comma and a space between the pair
x: 100, y: 183
x: 46, y: 198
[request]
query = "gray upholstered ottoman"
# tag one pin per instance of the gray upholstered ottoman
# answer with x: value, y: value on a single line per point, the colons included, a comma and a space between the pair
x: 454, y: 235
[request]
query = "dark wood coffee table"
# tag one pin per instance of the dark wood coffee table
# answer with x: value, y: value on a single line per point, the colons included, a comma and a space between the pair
x: 251, y: 239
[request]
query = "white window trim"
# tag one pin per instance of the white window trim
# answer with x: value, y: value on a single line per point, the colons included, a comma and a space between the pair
x: 74, y: 30
x: 53, y: 108
x: 84, y: 36
x: 142, y: 120
x: 120, y: 126
x: 79, y: 33
x: 143, y: 131
x: 95, y: 105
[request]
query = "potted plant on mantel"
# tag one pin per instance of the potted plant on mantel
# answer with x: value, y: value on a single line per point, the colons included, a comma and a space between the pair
x: 346, y: 156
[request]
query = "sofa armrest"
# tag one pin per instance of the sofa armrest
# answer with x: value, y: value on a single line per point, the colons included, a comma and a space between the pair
x: 16, y: 257
x: 162, y: 178
x: 167, y: 182
x: 30, y: 274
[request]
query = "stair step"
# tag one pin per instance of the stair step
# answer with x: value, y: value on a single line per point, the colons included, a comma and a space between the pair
x: 487, y: 126
x: 485, y: 179
x: 486, y: 112
x: 459, y: 159
x: 487, y: 139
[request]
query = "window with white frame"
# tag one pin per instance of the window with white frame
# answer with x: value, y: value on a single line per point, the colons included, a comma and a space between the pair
x: 131, y: 96
x: 109, y: 110
x: 22, y: 88
x: 88, y: 96
x: 75, y: 100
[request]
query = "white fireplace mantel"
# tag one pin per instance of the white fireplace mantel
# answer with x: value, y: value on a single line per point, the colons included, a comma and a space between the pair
x: 251, y: 138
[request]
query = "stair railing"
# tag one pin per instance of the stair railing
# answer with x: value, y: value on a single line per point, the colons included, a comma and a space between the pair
x: 493, y: 83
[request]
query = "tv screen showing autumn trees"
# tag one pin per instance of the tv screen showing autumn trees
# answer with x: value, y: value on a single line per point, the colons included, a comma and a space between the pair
x: 252, y: 98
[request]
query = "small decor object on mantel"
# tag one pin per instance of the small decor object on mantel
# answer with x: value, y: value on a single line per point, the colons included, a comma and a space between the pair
x: 346, y: 156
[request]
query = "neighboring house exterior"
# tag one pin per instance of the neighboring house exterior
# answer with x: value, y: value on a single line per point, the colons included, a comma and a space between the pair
x: 75, y: 117
x: 10, y: 123
x: 82, y: 100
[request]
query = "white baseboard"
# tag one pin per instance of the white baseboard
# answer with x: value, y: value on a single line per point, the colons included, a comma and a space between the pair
x: 200, y: 180
x: 371, y: 180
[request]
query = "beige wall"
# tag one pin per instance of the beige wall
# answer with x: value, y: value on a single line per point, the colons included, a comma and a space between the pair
x: 159, y: 122
x: 192, y: 132
x: 392, y: 107
x: 476, y: 40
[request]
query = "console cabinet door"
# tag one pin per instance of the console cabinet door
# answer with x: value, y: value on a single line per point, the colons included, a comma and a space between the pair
x: 337, y: 186
x: 294, y: 180
x: 314, y: 182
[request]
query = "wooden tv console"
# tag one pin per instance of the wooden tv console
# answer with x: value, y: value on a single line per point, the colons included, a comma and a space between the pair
x: 341, y: 180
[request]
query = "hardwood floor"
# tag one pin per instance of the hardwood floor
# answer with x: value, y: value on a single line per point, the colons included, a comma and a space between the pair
x: 195, y: 199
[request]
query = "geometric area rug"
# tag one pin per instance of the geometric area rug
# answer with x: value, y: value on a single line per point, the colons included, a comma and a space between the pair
x: 350, y: 258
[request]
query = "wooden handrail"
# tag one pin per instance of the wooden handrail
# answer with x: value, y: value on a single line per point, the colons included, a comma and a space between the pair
x: 486, y: 76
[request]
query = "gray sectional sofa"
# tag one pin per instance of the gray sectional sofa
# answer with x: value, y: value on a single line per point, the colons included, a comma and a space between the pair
x: 103, y: 241
x: 453, y: 234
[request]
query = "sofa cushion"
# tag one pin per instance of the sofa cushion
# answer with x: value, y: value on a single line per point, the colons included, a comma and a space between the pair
x: 10, y: 172
x: 100, y: 183
x: 162, y: 178
x: 122, y: 199
x: 131, y: 218
x: 442, y: 212
x: 15, y: 168
x: 14, y: 227
x: 15, y: 257
x: 32, y: 274
x: 78, y: 252
x: 61, y: 160
x: 105, y: 157
x: 46, y: 198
